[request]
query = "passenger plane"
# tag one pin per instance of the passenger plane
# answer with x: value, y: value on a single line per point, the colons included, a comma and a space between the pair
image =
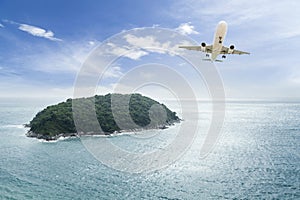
x: 217, y: 47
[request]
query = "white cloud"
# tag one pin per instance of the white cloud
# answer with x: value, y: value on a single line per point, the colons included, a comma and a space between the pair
x: 113, y: 72
x: 135, y: 47
x: 1, y: 26
x: 39, y: 32
x: 151, y: 44
x: 155, y: 25
x: 92, y: 43
x: 186, y: 29
x: 66, y: 58
x: 278, y: 18
x: 135, y: 55
x: 295, y: 80
x: 132, y: 53
x: 237, y: 10
x: 142, y: 42
x: 293, y: 77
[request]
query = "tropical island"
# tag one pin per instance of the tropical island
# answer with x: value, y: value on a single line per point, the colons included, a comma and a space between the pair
x: 100, y: 115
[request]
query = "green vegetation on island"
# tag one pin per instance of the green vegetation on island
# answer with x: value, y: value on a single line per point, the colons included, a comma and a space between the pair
x: 100, y: 115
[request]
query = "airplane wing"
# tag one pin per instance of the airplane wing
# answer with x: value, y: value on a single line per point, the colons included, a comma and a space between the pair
x: 226, y: 50
x: 195, y: 48
x: 208, y: 49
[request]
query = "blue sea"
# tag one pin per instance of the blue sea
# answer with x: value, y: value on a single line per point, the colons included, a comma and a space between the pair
x: 257, y: 156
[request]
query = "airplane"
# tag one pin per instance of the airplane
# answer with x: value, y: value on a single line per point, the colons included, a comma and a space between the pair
x: 217, y: 47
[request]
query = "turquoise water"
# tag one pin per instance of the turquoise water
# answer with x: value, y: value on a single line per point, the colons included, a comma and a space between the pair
x: 256, y: 157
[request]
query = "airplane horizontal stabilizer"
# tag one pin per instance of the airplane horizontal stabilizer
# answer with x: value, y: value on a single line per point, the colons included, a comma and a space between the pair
x: 219, y: 60
x: 207, y: 59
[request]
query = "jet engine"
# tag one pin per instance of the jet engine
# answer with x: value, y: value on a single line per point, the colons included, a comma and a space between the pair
x: 231, y: 49
x: 203, y: 46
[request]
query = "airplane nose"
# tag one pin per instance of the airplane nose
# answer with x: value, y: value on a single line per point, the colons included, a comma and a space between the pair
x: 223, y: 23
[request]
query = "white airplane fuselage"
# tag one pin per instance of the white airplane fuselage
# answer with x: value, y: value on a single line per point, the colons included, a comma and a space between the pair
x: 217, y: 47
x: 219, y: 37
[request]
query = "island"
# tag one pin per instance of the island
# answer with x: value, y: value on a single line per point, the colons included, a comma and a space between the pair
x: 75, y: 117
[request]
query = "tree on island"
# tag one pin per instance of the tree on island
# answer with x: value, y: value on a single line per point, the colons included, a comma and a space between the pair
x: 58, y: 120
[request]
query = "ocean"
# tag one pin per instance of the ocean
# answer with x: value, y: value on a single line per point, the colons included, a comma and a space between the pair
x: 257, y: 156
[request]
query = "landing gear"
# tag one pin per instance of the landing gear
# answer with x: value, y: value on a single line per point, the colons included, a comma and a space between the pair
x: 220, y: 39
x: 207, y: 55
x: 223, y: 56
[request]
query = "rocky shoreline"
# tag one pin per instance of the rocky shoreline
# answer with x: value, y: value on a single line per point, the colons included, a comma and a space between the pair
x: 48, y: 137
x: 65, y: 135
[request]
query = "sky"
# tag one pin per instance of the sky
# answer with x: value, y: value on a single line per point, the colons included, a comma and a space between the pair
x: 43, y: 44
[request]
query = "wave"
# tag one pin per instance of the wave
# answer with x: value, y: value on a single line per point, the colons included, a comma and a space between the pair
x: 20, y: 126
x: 61, y: 138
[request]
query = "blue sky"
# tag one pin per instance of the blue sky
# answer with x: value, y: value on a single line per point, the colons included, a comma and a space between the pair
x: 43, y: 43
